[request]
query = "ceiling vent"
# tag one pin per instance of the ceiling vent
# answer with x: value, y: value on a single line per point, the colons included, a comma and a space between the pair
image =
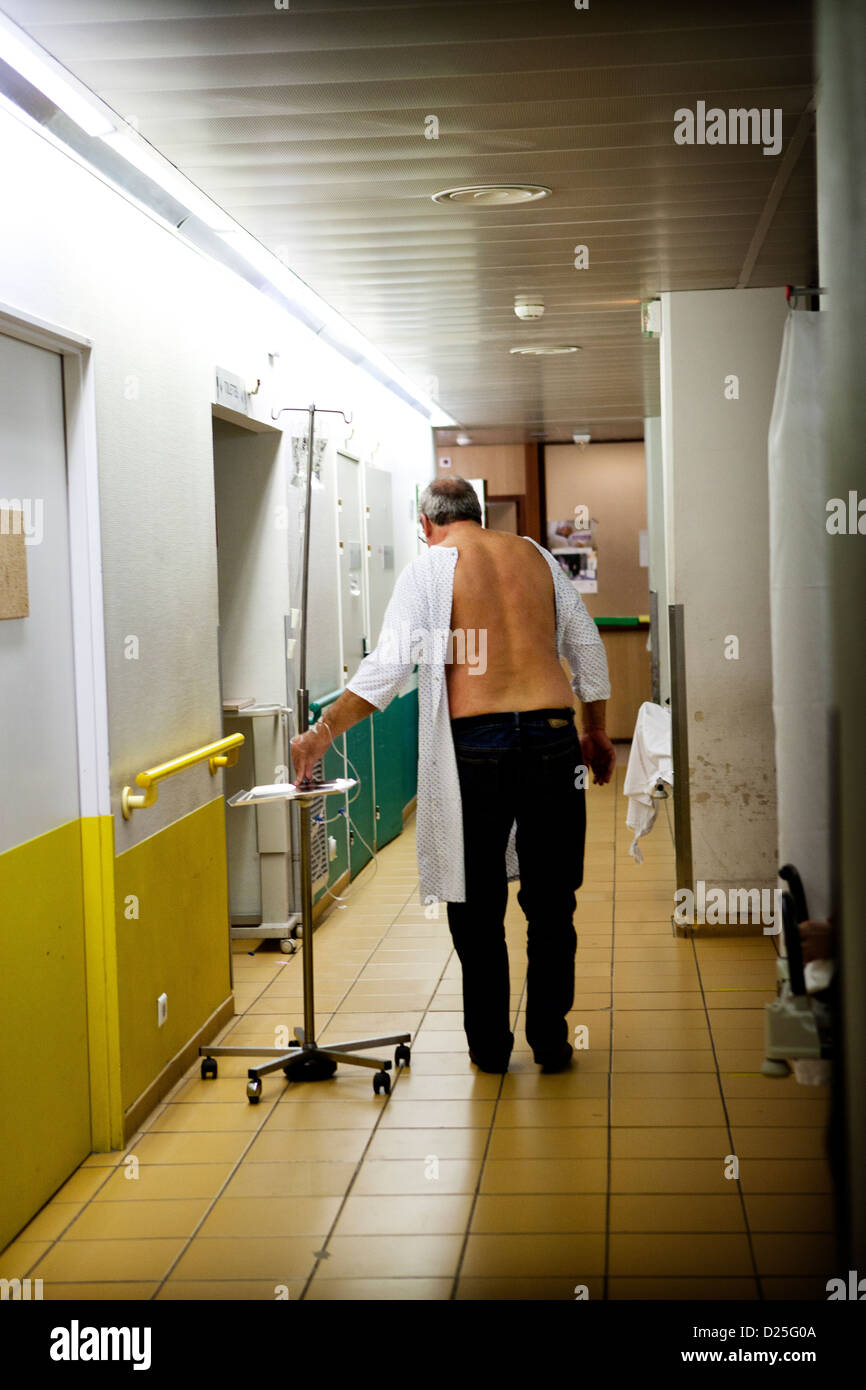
x: 486, y: 195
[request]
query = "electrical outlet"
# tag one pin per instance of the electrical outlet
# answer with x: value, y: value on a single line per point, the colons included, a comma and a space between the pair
x: 161, y: 1009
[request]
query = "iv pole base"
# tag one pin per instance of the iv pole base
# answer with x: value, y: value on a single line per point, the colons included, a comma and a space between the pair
x: 309, y: 1062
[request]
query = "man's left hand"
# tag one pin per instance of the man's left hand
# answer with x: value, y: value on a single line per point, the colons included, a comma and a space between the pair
x: 598, y: 753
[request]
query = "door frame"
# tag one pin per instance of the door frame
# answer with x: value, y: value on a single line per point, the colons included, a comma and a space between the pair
x: 91, y: 710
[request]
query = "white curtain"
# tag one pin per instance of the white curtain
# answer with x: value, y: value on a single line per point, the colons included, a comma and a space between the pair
x: 799, y: 606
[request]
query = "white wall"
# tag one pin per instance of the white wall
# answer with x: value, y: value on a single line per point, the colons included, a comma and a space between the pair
x: 161, y: 317
x: 717, y: 520
x: 658, y: 579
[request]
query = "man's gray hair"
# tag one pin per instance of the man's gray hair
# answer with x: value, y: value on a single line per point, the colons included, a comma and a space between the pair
x: 449, y: 499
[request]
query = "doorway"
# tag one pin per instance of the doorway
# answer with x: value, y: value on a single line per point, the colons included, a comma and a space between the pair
x: 53, y: 748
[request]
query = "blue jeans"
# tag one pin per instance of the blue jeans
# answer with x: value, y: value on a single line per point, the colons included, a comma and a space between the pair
x: 519, y: 767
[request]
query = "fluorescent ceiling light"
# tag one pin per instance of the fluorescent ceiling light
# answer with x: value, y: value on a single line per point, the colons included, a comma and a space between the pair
x: 44, y: 72
x: 329, y: 324
x: 146, y: 159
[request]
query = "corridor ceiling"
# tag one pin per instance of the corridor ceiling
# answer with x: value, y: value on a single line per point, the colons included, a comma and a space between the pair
x: 310, y: 126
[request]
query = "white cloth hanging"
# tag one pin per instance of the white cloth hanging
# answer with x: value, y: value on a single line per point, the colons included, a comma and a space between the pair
x: 650, y: 762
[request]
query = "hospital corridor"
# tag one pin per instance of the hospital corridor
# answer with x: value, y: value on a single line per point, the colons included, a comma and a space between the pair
x: 432, y: 785
x: 466, y: 1185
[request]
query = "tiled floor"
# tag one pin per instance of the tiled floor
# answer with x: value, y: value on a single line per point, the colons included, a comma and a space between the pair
x: 611, y: 1176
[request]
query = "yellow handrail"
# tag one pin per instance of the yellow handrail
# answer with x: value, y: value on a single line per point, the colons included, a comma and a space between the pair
x: 223, y: 753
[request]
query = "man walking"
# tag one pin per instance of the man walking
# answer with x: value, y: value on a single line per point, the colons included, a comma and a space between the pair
x: 500, y: 767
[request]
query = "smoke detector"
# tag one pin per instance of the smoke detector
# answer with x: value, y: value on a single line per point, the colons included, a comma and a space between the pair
x: 463, y: 438
x: 581, y: 440
x: 529, y: 306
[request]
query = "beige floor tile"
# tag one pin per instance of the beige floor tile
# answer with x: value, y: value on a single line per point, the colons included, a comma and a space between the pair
x: 662, y: 1254
x: 200, y: 1148
x: 449, y: 1114
x: 539, y: 1142
x: 278, y: 1258
x: 797, y: 1175
x: 650, y: 1086
x: 766, y: 1112
x: 699, y: 1213
x: 378, y: 1290
x: 649, y: 1290
x: 577, y: 1257
x: 810, y: 1290
x: 684, y: 1142
x: 419, y: 1144
x: 802, y: 1142
x: 574, y: 1084
x: 790, y: 1212
x: 239, y: 1116
x: 143, y: 1220
x: 518, y: 1289
x: 83, y: 1185
x: 291, y: 1179
x: 661, y: 1039
x: 303, y: 1145
x: 229, y: 1290
x: 327, y: 1114
x: 669, y: 1175
x: 405, y: 1215
x: 390, y: 1177
x: 519, y: 1114
x: 629, y: 1004
x: 419, y: 1087
x: 552, y: 1213
x: 94, y: 1292
x: 391, y: 1256
x: 21, y: 1257
x: 812, y: 1254
x: 272, y: 1216
x: 667, y: 1111
x: 667, y: 1060
x: 544, y: 1175
x: 51, y: 1221
x: 80, y: 1261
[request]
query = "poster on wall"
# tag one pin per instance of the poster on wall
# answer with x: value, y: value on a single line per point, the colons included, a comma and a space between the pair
x: 581, y: 565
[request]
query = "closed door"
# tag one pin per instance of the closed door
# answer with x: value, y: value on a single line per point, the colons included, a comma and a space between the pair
x: 44, y: 1081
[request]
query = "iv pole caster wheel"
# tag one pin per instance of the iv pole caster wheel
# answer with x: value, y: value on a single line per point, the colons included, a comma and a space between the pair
x: 254, y: 1090
x: 288, y: 945
x: 402, y: 1057
x: 382, y: 1082
x: 208, y: 1068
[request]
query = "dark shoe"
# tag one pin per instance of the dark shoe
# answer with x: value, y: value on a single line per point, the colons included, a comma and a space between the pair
x: 557, y: 1061
x: 485, y: 1064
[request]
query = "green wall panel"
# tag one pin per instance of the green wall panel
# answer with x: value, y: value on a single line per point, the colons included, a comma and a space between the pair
x: 390, y: 755
x: 359, y: 750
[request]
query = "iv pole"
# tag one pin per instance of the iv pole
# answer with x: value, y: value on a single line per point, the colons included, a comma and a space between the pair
x: 307, y: 1061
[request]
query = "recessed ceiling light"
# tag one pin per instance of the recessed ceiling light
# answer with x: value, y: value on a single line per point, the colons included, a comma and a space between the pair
x: 492, y: 194
x: 542, y: 350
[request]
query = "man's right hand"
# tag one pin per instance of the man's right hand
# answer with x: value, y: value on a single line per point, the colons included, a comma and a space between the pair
x: 598, y: 753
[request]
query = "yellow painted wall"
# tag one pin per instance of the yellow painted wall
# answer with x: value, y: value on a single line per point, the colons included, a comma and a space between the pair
x: 44, y: 1070
x: 179, y: 945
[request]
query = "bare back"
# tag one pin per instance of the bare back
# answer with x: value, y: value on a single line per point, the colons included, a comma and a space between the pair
x: 503, y: 616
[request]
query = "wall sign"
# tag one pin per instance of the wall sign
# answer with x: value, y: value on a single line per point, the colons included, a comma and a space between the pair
x: 231, y: 392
